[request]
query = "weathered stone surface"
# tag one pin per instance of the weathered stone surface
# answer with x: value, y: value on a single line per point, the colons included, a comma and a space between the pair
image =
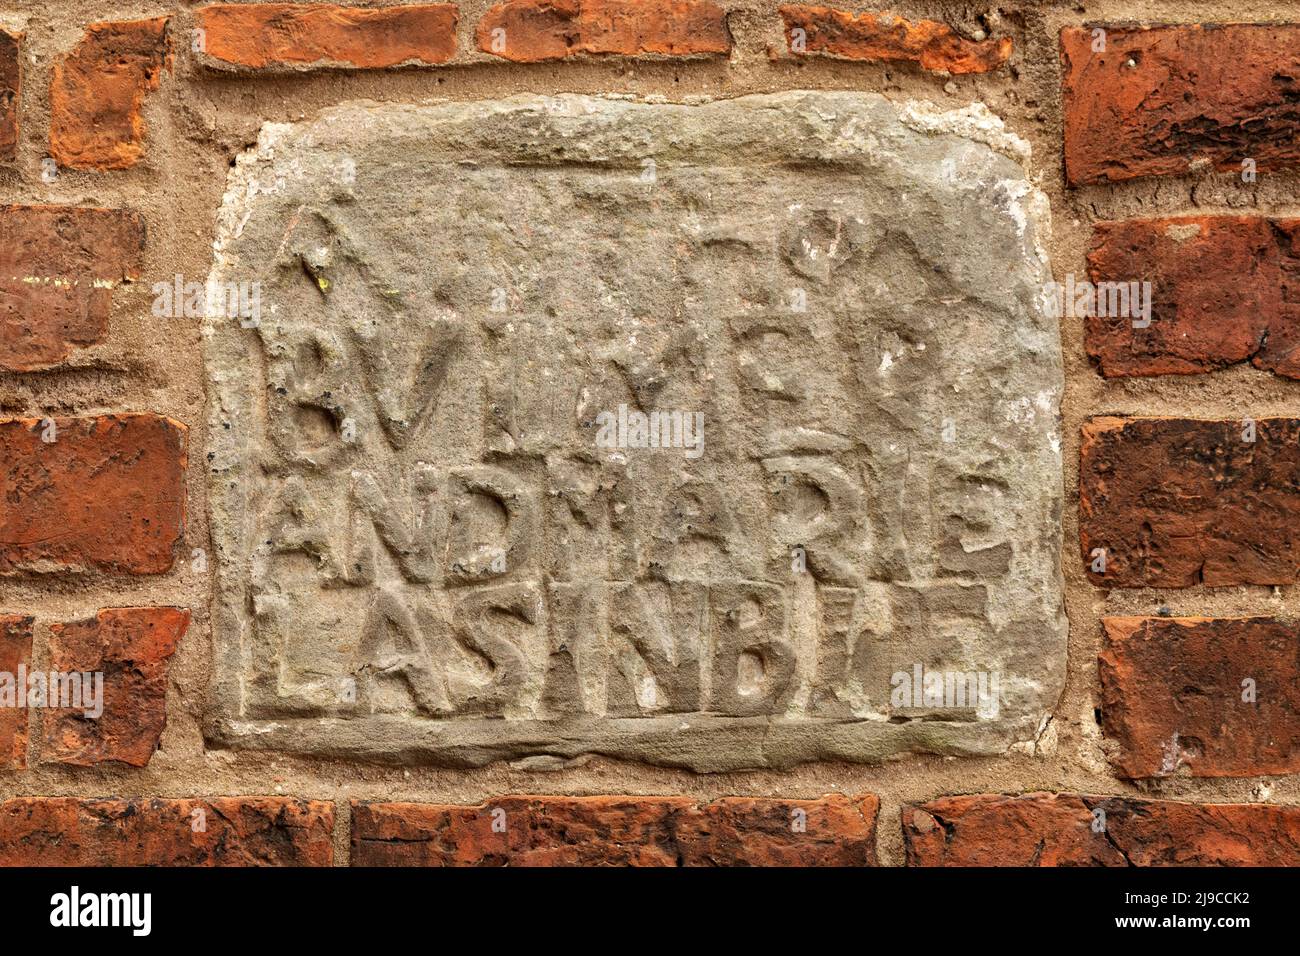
x: 1069, y: 829
x: 411, y: 491
x: 834, y: 830
x: 1209, y: 697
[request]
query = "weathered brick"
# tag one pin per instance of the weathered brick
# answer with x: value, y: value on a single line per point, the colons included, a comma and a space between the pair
x: 131, y: 647
x: 15, y: 652
x: 1224, y: 289
x: 305, y: 36
x: 1167, y: 99
x: 537, y: 30
x: 216, y: 831
x: 108, y: 493
x: 1067, y: 829
x: 883, y: 36
x: 10, y: 93
x: 1209, y: 697
x: 995, y: 830
x: 98, y: 90
x: 618, y: 831
x: 1177, y: 502
x: 58, y: 268
x: 837, y: 830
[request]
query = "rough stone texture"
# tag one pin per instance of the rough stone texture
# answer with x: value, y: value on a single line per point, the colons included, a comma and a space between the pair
x: 218, y: 831
x: 471, y: 554
x: 131, y: 648
x: 1224, y: 289
x: 1169, y: 99
x: 304, y: 36
x: 618, y: 831
x: 10, y: 89
x: 1050, y: 829
x: 108, y: 493
x: 1176, y: 502
x: 15, y: 651
x: 98, y: 91
x: 1172, y: 696
x: 537, y: 30
x: 58, y: 268
x: 882, y: 36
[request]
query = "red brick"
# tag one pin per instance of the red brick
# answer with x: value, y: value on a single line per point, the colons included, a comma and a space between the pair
x: 303, y: 36
x: 618, y: 831
x: 1050, y: 829
x: 217, y: 831
x: 98, y: 91
x: 537, y: 30
x: 748, y: 831
x: 15, y: 652
x: 1224, y: 289
x: 1168, y: 99
x: 108, y: 494
x: 1179, y: 502
x: 10, y: 91
x: 58, y: 267
x: 883, y: 36
x: 131, y: 647
x: 994, y: 830
x: 1172, y: 696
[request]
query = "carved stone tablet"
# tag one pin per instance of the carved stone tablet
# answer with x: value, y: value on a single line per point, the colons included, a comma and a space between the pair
x: 716, y: 436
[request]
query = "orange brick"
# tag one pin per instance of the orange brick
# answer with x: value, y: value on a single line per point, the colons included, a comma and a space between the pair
x: 1167, y: 99
x: 10, y: 91
x: 107, y: 493
x: 58, y: 268
x: 1173, y: 696
x: 618, y: 831
x: 96, y: 98
x: 303, y: 36
x: 532, y: 31
x: 216, y: 831
x: 1068, y: 829
x: 131, y: 648
x: 884, y: 37
x: 15, y: 652
x: 1224, y: 289
x: 1177, y: 502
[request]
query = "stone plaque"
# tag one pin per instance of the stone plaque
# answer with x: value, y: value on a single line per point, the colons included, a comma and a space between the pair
x: 716, y: 436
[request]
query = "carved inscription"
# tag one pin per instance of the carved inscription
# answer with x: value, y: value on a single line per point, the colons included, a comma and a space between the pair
x: 539, y: 449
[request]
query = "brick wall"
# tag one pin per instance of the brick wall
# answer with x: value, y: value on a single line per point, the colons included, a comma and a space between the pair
x: 1170, y: 153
